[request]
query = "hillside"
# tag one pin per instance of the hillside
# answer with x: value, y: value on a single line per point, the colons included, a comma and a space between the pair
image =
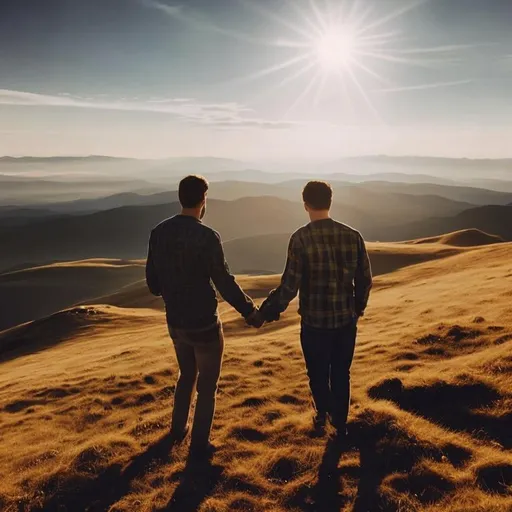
x: 493, y: 219
x: 463, y: 238
x: 267, y: 254
x: 37, y: 292
x: 429, y: 428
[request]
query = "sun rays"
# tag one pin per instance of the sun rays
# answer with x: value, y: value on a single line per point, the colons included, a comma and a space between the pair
x: 352, y: 48
x: 344, y: 42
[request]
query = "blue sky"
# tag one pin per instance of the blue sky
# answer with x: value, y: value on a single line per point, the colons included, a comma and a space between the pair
x: 256, y: 79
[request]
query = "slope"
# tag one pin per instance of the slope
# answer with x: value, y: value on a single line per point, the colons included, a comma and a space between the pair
x: 492, y: 219
x: 267, y: 254
x: 84, y: 422
x: 36, y: 292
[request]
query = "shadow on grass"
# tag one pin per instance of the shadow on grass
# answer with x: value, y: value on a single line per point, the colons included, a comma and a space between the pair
x: 197, y: 481
x: 99, y: 493
x: 458, y: 406
x: 326, y: 494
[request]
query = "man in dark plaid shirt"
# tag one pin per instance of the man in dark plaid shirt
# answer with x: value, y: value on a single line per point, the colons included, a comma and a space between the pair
x: 329, y: 265
x: 185, y: 262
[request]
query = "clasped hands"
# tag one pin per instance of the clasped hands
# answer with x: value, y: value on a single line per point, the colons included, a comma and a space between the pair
x: 255, y: 319
x: 261, y: 315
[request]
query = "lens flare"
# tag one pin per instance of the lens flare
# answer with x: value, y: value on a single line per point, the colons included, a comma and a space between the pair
x: 335, y: 49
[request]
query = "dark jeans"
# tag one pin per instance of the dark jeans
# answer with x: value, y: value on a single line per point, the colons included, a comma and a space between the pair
x: 328, y: 354
x: 199, y: 354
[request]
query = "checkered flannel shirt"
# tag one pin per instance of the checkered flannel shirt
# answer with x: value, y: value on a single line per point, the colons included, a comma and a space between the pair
x: 329, y: 265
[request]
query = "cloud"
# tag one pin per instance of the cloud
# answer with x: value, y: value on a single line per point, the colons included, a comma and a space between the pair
x: 449, y: 48
x: 256, y: 123
x: 196, y: 21
x: 222, y: 115
x: 422, y: 87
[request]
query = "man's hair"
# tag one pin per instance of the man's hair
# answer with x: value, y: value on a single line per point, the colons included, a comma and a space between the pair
x: 318, y: 195
x: 192, y: 191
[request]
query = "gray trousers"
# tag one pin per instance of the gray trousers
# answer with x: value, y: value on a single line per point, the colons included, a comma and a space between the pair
x: 199, y: 354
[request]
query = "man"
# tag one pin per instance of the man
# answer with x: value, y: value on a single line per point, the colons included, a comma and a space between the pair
x: 184, y: 258
x: 328, y: 263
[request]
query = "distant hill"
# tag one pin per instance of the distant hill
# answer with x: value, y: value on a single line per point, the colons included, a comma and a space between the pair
x: 463, y: 238
x: 114, y: 201
x: 35, y: 192
x: 389, y: 201
x: 36, y: 292
x: 495, y: 220
x: 390, y: 168
x: 472, y: 195
x: 123, y: 232
x: 22, y: 216
x: 463, y: 169
x: 267, y: 254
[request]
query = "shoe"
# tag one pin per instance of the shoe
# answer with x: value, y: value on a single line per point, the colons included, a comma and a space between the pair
x: 319, y: 422
x: 179, y: 437
x: 202, y: 451
x: 342, y: 434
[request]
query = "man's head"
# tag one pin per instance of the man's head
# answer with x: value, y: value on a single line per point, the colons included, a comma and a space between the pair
x: 192, y: 194
x: 317, y: 197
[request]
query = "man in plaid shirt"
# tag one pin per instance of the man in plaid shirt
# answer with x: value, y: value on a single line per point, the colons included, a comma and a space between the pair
x: 329, y: 265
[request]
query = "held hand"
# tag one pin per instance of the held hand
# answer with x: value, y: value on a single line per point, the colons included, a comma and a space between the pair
x: 255, y: 319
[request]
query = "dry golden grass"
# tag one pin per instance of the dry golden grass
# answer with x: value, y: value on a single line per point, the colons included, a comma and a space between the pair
x: 86, y: 397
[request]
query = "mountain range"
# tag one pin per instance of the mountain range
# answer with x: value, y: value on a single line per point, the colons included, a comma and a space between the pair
x: 123, y: 232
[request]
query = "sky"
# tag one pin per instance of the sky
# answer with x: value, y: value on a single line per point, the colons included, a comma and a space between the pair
x: 265, y: 80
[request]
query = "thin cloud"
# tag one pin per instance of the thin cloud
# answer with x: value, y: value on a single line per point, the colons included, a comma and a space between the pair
x: 220, y: 114
x: 450, y: 48
x: 422, y: 87
x: 195, y: 21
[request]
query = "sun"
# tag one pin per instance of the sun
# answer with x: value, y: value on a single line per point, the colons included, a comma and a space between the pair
x: 335, y: 49
x: 348, y: 46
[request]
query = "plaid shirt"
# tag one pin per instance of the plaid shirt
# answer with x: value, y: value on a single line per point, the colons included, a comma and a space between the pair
x: 185, y: 260
x: 329, y: 264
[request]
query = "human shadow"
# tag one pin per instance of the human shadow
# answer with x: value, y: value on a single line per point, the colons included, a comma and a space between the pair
x: 197, y: 481
x: 325, y: 495
x: 109, y: 486
x: 372, y: 472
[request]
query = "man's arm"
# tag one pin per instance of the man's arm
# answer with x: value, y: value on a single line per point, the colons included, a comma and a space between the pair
x: 363, y: 278
x: 225, y: 282
x: 151, y: 275
x: 280, y: 298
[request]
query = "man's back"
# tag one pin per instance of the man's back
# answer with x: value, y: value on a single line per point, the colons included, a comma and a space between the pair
x: 332, y: 266
x: 328, y: 264
x: 184, y: 257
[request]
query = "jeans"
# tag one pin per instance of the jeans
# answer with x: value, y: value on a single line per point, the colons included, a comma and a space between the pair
x: 199, y: 354
x: 328, y: 354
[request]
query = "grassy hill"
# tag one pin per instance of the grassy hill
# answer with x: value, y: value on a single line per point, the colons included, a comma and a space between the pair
x: 493, y: 219
x: 40, y: 291
x: 35, y: 292
x: 86, y: 397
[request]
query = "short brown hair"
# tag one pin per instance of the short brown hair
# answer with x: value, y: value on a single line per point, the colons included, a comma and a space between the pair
x: 192, y: 191
x: 318, y: 195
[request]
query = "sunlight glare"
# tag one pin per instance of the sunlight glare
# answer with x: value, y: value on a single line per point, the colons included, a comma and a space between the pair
x: 342, y: 44
x: 335, y: 49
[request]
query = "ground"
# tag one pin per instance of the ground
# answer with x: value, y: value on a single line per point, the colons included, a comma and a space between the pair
x: 86, y: 397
